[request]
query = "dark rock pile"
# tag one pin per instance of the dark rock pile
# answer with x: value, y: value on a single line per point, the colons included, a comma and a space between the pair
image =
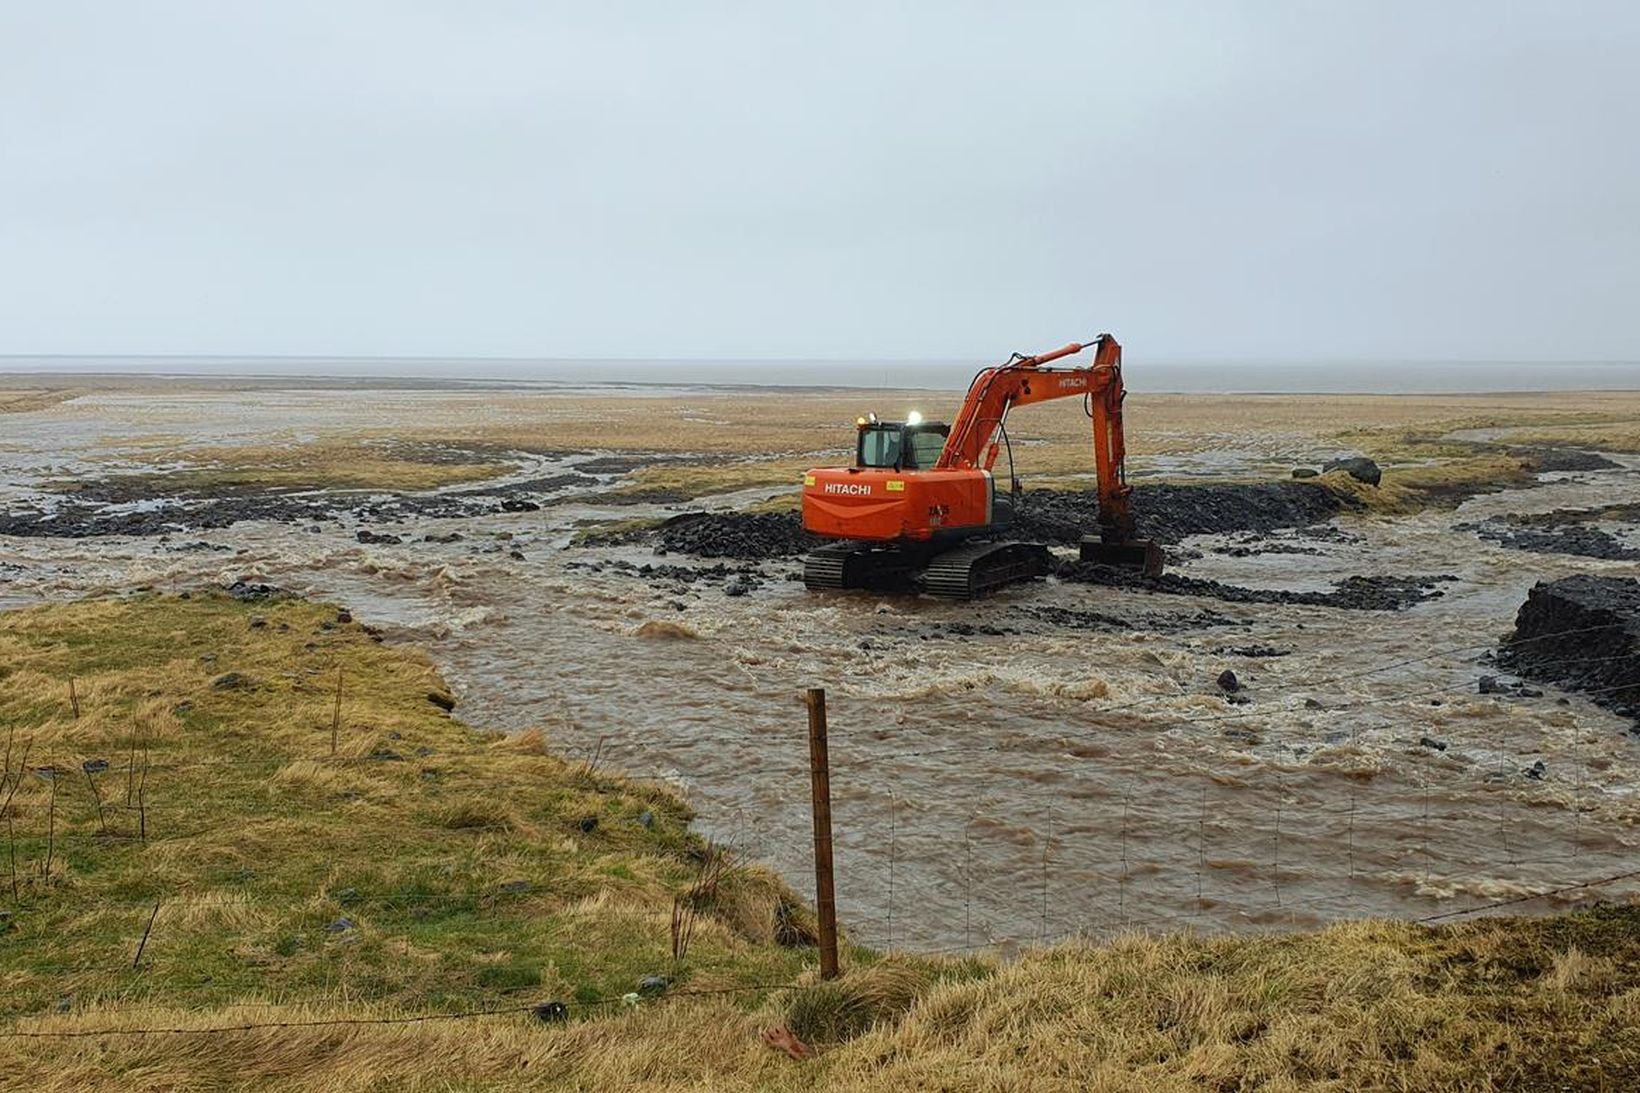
x: 1352, y: 594
x: 94, y: 509
x: 1564, y: 531
x: 1582, y: 632
x: 1545, y: 460
x: 746, y: 535
x: 1169, y: 513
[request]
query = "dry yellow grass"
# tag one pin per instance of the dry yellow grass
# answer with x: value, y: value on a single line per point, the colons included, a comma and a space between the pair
x: 23, y: 401
x: 754, y: 438
x: 1502, y: 1004
x: 342, y: 463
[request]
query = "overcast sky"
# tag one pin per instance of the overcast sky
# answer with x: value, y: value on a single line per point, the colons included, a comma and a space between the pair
x: 1304, y: 180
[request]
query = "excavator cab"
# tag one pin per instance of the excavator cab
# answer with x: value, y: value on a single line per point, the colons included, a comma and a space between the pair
x: 900, y: 446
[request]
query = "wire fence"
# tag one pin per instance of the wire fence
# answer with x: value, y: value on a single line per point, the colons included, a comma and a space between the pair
x: 932, y: 861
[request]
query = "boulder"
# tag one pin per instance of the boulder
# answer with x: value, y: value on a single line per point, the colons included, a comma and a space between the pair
x: 1582, y: 633
x: 1358, y: 467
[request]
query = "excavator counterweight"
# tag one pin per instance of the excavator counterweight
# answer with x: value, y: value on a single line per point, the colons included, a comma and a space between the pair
x: 920, y: 507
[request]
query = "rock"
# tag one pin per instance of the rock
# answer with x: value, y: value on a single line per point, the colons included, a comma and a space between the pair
x: 386, y: 755
x: 340, y: 926
x: 1358, y: 467
x: 344, y: 616
x: 246, y: 592
x: 646, y: 818
x: 516, y: 555
x: 1489, y: 685
x: 1583, y: 633
x: 375, y: 538
x: 1313, y: 704
x: 444, y: 700
x: 516, y: 887
x: 1432, y: 743
x: 345, y: 896
x: 738, y: 586
x: 550, y: 1013
x: 1228, y: 683
x: 94, y: 766
x: 1305, y: 472
x: 588, y: 824
x: 233, y: 681
x: 258, y: 622
x: 1536, y: 771
x: 518, y: 504
x: 651, y: 985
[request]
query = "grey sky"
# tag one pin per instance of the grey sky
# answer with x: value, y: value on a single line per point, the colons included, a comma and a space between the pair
x: 1211, y: 180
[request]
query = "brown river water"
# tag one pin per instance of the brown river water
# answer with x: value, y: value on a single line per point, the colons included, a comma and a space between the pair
x: 991, y: 788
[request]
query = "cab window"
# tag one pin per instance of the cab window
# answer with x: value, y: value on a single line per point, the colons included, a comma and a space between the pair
x: 926, y: 445
x: 880, y: 446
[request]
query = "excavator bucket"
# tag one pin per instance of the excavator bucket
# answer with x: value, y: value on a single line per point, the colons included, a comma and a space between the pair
x: 1142, y: 554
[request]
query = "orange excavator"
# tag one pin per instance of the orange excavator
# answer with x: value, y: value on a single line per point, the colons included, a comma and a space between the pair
x: 920, y: 507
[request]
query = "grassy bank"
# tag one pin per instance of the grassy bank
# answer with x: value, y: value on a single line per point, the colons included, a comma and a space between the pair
x: 384, y: 916
x: 420, y: 865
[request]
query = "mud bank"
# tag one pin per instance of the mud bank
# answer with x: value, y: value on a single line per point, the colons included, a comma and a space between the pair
x: 1582, y: 632
x: 1569, y: 531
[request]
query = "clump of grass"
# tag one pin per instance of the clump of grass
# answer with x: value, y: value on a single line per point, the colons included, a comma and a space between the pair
x: 830, y: 1012
x: 614, y: 532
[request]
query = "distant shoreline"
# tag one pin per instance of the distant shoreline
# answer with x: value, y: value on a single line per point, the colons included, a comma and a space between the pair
x: 640, y: 376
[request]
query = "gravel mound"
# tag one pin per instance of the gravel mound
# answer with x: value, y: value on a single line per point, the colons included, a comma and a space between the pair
x: 1583, y: 633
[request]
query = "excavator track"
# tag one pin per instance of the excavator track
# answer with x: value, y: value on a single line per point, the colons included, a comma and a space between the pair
x: 977, y: 569
x: 858, y: 565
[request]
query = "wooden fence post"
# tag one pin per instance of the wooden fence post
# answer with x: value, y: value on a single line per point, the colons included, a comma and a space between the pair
x: 825, y: 893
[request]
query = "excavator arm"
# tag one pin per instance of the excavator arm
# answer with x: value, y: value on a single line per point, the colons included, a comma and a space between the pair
x: 1021, y: 381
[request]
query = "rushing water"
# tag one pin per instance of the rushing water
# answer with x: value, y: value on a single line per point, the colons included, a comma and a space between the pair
x: 991, y: 787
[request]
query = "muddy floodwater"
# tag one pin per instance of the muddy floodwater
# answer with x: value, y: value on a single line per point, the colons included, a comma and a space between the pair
x: 1059, y: 759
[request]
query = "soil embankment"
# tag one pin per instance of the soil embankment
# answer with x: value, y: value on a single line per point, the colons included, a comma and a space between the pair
x: 1582, y: 632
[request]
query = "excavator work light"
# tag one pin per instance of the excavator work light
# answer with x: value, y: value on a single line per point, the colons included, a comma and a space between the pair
x: 913, y: 418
